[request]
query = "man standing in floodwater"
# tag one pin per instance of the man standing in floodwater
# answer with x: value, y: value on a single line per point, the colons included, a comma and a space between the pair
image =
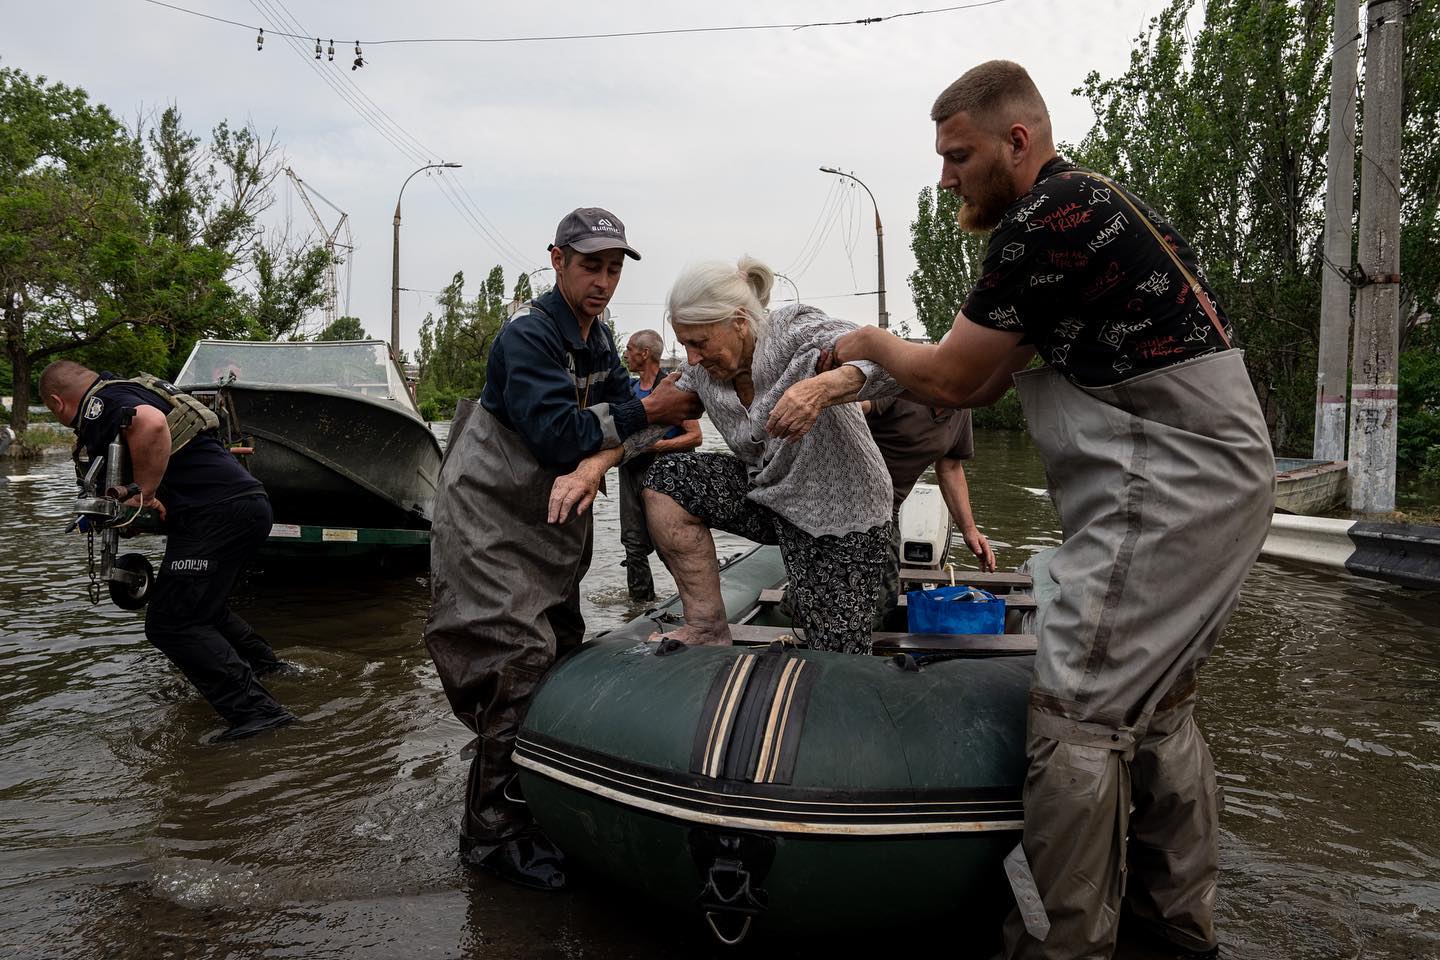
x: 642, y: 357
x: 217, y: 517
x: 505, y: 584
x: 1160, y: 467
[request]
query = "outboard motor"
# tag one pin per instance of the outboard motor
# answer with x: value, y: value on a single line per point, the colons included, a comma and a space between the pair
x: 925, y: 528
x: 98, y: 509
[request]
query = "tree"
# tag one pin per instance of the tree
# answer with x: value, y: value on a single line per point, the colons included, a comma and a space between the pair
x: 344, y: 328
x: 288, y: 286
x: 947, y: 261
x: 455, y: 346
x: 73, y: 229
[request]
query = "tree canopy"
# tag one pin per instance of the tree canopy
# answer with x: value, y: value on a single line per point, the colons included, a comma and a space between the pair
x: 120, y: 247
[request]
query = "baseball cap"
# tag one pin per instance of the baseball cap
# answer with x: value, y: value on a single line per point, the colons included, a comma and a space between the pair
x: 591, y: 229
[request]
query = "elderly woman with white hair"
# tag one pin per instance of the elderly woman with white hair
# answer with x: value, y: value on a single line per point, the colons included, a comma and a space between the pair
x: 803, y: 471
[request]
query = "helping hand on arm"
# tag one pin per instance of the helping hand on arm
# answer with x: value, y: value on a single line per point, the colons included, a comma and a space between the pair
x: 953, y: 373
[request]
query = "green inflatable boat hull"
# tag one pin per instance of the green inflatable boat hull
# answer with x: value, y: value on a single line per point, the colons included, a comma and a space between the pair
x: 796, y: 789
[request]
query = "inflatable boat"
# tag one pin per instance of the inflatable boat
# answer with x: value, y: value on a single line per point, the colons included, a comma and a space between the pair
x: 765, y: 785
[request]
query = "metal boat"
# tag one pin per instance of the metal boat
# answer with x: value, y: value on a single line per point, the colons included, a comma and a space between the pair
x: 1309, y: 487
x: 329, y: 427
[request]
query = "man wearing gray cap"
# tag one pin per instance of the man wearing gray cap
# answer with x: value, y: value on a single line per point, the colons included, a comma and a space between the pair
x: 505, y: 585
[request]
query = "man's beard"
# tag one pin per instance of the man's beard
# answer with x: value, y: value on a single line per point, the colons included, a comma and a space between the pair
x: 984, y: 208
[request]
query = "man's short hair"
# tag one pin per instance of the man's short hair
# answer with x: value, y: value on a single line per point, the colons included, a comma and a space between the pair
x: 995, y: 94
x: 648, y: 340
x: 62, y: 376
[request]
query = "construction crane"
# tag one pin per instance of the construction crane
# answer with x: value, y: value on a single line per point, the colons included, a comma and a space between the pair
x: 332, y: 247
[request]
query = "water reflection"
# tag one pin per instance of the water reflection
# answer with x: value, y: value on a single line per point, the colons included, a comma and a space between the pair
x: 127, y: 835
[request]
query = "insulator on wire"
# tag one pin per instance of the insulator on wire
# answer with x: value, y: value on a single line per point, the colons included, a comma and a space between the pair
x: 260, y: 39
x: 317, y: 48
x: 359, y: 57
x: 331, y: 50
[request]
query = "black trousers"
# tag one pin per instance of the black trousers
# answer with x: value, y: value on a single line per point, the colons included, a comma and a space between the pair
x: 188, y: 620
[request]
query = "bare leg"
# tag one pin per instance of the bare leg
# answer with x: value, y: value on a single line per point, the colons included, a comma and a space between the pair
x: 689, y: 551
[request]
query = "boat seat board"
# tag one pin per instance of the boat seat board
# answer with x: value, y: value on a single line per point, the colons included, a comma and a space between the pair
x: 999, y: 580
x: 1013, y: 601
x: 887, y: 644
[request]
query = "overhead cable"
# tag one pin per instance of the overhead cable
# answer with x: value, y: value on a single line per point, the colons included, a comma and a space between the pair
x: 660, y: 32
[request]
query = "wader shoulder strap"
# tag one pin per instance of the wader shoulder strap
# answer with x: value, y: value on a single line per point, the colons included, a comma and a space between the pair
x: 1195, y: 286
x: 188, y: 417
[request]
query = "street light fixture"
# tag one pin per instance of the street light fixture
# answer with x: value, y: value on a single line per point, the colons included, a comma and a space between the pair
x: 395, y: 263
x: 879, y: 241
x: 781, y: 276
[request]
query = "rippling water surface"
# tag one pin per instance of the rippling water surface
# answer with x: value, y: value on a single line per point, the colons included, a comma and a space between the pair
x: 122, y: 833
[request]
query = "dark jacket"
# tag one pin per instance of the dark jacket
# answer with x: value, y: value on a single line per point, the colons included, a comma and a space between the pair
x: 566, y: 398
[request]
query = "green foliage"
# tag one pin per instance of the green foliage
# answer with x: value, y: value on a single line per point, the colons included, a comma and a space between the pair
x: 947, y: 261
x: 1419, y: 406
x: 288, y: 287
x: 455, y: 345
x: 344, y: 328
x: 120, y: 248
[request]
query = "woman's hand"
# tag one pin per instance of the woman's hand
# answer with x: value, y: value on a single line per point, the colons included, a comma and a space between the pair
x: 797, y: 410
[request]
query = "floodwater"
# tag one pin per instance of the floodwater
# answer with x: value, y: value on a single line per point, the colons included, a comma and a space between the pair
x: 124, y: 834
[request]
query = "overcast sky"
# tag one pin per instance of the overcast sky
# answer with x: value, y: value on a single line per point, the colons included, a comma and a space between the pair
x: 706, y: 146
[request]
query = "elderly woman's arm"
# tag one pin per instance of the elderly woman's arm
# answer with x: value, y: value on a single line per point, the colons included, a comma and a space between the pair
x: 813, y: 335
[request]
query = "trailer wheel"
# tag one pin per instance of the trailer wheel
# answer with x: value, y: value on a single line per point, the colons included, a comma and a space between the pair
x: 128, y: 597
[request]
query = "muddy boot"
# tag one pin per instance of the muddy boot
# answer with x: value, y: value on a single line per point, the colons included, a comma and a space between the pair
x: 639, y: 580
x: 249, y: 728
x: 528, y: 859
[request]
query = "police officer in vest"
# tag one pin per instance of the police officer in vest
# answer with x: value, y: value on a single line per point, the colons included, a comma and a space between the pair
x: 217, y: 516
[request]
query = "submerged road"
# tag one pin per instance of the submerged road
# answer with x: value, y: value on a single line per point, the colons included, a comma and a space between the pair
x: 122, y: 834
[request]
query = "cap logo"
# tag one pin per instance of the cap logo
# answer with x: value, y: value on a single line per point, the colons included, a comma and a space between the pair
x: 94, y: 408
x: 602, y: 222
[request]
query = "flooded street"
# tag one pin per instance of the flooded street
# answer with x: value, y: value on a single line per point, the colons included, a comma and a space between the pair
x: 126, y: 835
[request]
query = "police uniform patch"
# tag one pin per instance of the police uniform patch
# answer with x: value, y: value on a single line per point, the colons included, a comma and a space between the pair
x: 94, y: 409
x: 189, y: 567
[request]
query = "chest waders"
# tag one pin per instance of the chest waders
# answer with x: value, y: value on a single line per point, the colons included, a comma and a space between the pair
x: 129, y: 576
x: 1164, y: 485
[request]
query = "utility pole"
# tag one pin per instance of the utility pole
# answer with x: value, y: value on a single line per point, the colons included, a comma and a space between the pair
x: 1334, y: 360
x: 1377, y: 303
x: 395, y: 264
x: 879, y: 242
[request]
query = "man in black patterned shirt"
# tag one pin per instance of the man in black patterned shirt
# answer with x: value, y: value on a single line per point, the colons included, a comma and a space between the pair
x: 1160, y: 467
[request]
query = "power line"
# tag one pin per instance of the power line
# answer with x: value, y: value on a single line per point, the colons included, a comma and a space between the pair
x: 456, y: 189
x: 662, y: 32
x: 414, y: 150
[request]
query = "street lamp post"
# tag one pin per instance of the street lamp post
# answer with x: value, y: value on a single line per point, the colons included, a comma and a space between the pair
x: 395, y: 264
x: 879, y: 242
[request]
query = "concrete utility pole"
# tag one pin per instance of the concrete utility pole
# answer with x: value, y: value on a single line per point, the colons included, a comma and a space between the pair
x: 395, y: 264
x: 879, y: 242
x: 1377, y: 302
x: 1334, y: 360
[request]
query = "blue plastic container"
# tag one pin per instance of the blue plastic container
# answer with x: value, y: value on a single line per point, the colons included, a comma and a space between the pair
x: 939, y: 611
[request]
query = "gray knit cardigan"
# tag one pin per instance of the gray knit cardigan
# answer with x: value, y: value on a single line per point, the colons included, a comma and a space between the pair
x: 833, y: 481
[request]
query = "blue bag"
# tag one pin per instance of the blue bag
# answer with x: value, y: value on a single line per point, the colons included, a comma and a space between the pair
x: 939, y: 610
